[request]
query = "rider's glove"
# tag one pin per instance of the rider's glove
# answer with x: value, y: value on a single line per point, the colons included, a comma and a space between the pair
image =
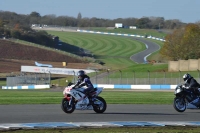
x: 79, y: 86
x: 186, y: 87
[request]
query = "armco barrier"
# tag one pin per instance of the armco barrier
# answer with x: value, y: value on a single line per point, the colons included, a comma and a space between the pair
x: 106, y: 86
x: 52, y: 125
x: 119, y: 34
x: 148, y: 87
x: 27, y: 87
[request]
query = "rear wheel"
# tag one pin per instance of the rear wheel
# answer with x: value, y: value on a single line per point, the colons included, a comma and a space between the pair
x: 66, y: 107
x: 179, y: 104
x: 99, y: 105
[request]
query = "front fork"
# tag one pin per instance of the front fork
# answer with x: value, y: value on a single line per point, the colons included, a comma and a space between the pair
x: 70, y: 101
x: 69, y: 98
x: 183, y: 98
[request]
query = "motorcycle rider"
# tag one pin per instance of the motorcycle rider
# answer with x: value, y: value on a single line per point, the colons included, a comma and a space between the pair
x: 191, y: 83
x: 84, y: 80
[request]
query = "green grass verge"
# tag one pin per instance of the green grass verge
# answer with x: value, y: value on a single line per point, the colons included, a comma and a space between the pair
x: 111, y: 97
x: 167, y: 129
x: 2, y: 83
x: 62, y: 81
x: 140, y: 71
x: 146, y: 67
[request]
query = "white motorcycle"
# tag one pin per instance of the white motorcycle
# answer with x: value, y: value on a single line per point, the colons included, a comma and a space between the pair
x: 76, y: 99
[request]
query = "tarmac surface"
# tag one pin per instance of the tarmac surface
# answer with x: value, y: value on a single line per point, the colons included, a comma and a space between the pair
x: 115, y: 112
x: 141, y: 56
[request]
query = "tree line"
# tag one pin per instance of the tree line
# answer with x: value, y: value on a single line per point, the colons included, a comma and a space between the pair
x: 79, y: 21
x: 183, y: 43
x: 13, y: 25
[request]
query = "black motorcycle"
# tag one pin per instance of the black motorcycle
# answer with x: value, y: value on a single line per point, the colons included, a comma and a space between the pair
x: 185, y: 99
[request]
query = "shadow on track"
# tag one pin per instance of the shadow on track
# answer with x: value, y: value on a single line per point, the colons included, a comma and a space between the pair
x: 116, y: 113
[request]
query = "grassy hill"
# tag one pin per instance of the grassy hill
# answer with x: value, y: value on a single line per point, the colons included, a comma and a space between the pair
x: 144, y: 32
x: 11, y: 50
x: 114, y: 51
x: 13, y: 55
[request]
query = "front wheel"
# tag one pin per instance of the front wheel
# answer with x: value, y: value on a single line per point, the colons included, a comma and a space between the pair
x: 179, y: 104
x: 99, y: 105
x: 66, y: 107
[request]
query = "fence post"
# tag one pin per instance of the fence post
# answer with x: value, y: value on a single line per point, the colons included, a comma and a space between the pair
x: 133, y: 77
x: 149, y: 76
x: 45, y: 76
x: 96, y: 76
x: 74, y: 76
x: 25, y: 78
x: 108, y: 82
x: 36, y: 78
x: 120, y: 76
x: 179, y: 76
x: 198, y: 74
x: 126, y: 78
x: 164, y: 77
x: 171, y: 77
x: 50, y: 78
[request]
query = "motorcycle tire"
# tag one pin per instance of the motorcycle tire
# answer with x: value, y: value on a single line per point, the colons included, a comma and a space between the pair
x: 179, y: 104
x: 66, y: 107
x: 99, y: 108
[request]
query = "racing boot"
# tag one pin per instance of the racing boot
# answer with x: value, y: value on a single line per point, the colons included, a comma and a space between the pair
x: 90, y: 101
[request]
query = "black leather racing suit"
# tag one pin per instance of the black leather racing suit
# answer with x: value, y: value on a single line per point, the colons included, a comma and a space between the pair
x: 192, y: 84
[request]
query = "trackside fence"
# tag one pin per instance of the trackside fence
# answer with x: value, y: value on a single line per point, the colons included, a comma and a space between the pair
x: 28, y: 79
x: 106, y: 77
x: 142, y: 78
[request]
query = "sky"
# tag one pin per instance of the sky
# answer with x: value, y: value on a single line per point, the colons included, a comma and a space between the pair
x: 187, y: 11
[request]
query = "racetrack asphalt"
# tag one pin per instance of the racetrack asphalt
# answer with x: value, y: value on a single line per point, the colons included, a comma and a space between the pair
x: 151, y: 48
x: 115, y: 112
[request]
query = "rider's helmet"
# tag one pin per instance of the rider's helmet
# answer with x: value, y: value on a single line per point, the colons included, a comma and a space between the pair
x: 186, y: 76
x: 81, y: 74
